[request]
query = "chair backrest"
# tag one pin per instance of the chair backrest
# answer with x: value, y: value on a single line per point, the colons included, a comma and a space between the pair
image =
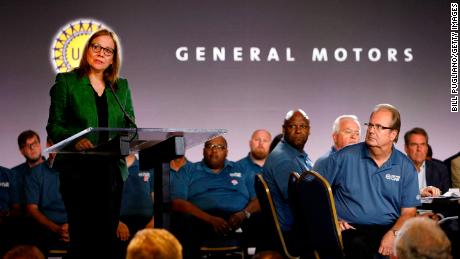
x: 269, y: 215
x: 317, y: 211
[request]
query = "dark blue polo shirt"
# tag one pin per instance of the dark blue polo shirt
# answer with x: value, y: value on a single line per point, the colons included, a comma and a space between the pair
x: 42, y: 188
x: 322, y: 161
x: 249, y: 168
x: 369, y: 195
x: 227, y: 191
x: 20, y: 172
x: 5, y: 189
x: 137, y: 192
x: 281, y: 162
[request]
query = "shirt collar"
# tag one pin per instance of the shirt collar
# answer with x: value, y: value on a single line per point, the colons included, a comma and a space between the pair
x: 293, y: 150
x: 393, y: 160
x: 202, y: 166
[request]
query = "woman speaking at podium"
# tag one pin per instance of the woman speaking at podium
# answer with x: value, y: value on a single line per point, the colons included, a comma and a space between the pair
x: 92, y: 95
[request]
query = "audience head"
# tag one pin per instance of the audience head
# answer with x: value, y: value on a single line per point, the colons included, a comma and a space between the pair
x: 153, y: 243
x: 110, y: 52
x: 346, y: 131
x: 260, y: 144
x: 275, y: 142
x: 383, y: 126
x: 215, y: 153
x: 268, y: 255
x: 24, y: 252
x: 29, y: 145
x: 416, y: 145
x: 422, y: 238
x: 296, y: 128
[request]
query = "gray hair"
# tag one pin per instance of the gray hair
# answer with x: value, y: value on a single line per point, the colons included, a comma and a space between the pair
x: 336, y: 125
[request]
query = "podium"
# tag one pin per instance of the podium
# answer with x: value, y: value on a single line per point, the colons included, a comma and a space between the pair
x: 156, y: 148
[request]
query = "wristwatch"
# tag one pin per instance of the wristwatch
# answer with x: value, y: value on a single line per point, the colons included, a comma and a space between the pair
x: 247, y: 214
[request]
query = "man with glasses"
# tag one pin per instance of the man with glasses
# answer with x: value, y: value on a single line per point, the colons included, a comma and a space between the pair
x: 375, y: 187
x: 345, y: 131
x: 29, y: 146
x: 287, y: 157
x: 211, y: 198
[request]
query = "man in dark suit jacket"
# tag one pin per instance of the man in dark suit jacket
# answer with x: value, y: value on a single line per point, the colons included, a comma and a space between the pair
x: 433, y: 176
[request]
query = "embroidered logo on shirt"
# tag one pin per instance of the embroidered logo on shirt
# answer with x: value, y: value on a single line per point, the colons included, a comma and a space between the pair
x: 145, y: 175
x: 392, y: 177
x: 236, y: 174
x: 5, y: 184
x: 234, y: 181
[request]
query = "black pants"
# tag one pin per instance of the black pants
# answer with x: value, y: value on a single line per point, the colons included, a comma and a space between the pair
x: 91, y: 188
x: 364, y: 242
x: 192, y: 232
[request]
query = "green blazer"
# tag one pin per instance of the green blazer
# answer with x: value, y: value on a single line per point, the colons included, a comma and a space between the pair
x: 73, y: 107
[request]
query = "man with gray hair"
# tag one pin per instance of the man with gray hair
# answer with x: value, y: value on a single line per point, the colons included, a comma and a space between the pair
x: 375, y: 187
x: 421, y: 238
x: 345, y: 131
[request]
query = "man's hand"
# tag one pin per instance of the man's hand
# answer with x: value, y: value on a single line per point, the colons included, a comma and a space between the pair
x: 64, y: 233
x: 122, y: 231
x: 219, y: 224
x: 386, y: 245
x: 344, y: 225
x: 236, y: 220
x: 430, y: 191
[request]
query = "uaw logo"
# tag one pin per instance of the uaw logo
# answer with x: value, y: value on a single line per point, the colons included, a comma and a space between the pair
x: 392, y: 177
x: 68, y: 44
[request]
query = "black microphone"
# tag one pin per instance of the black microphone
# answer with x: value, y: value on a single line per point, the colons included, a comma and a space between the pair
x: 130, y: 120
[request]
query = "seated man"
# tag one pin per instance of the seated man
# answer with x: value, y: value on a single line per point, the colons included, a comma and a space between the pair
x: 421, y: 238
x: 136, y: 211
x: 259, y: 145
x: 374, y: 185
x: 433, y: 176
x: 287, y: 157
x: 214, y: 196
x: 45, y: 205
x: 6, y: 204
x: 345, y: 131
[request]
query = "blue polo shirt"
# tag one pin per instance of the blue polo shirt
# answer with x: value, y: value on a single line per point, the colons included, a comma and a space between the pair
x: 20, y: 172
x: 369, y: 195
x: 281, y: 162
x: 42, y: 188
x: 227, y: 191
x: 249, y: 168
x: 136, y: 199
x: 322, y: 161
x: 5, y: 189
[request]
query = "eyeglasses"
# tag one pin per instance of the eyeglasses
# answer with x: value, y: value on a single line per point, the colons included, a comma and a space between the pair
x: 31, y: 145
x: 215, y: 146
x: 96, y: 47
x: 378, y: 127
x: 300, y: 126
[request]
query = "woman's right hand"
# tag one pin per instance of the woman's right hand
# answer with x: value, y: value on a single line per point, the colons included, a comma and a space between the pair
x: 83, y: 144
